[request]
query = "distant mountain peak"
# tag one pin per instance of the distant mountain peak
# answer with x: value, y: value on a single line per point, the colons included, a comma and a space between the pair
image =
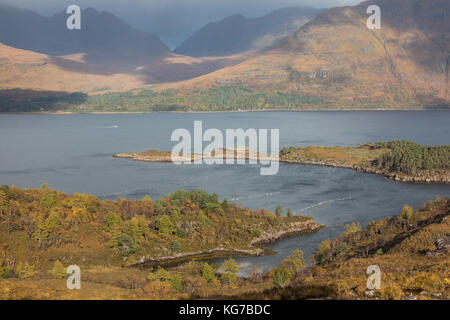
x: 237, y: 33
x: 104, y: 38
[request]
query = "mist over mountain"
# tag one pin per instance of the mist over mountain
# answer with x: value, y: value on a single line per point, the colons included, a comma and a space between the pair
x: 237, y: 33
x: 174, y: 20
x: 103, y: 37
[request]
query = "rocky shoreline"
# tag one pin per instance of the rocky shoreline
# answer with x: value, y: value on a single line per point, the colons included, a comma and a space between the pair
x: 426, y: 179
x: 136, y: 156
x: 255, y: 247
x: 367, y: 168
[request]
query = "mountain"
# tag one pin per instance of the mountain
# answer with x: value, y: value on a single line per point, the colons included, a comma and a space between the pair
x: 103, y: 38
x: 337, y: 58
x: 237, y: 33
x: 31, y: 70
x: 105, y: 55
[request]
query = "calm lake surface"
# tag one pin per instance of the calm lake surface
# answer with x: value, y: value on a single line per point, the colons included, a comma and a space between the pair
x: 72, y: 153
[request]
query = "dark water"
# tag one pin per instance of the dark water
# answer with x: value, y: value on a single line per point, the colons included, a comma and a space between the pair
x: 72, y: 153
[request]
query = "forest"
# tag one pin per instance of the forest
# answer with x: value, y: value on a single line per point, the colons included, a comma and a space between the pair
x: 409, y: 157
x: 37, y: 225
x: 222, y: 98
x: 16, y: 100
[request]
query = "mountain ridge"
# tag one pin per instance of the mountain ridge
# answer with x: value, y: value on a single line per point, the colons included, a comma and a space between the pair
x: 335, y: 55
x: 103, y: 38
x: 236, y: 33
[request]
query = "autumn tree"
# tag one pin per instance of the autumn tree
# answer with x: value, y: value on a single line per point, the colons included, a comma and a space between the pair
x: 225, y: 205
x: 279, y: 210
x: 176, y: 246
x: 111, y: 220
x: 323, y: 252
x: 58, y: 271
x: 126, y: 245
x: 280, y: 277
x: 42, y: 232
x: 229, y: 270
x: 25, y: 270
x: 354, y: 227
x: 47, y: 200
x: 407, y: 212
x: 290, y: 214
x: 294, y: 262
x: 4, y: 201
x: 208, y: 272
x: 165, y: 225
x: 11, y: 215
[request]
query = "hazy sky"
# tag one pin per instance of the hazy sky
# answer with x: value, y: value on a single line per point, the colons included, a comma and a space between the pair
x: 174, y: 20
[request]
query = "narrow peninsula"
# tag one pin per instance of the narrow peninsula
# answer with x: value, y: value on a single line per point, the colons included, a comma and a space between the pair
x: 399, y: 160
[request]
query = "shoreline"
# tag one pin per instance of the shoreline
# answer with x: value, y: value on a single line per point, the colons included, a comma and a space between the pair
x: 256, y: 247
x: 165, y: 157
x: 223, y: 111
x: 393, y: 176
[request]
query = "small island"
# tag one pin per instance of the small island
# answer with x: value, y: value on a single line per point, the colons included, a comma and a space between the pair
x: 398, y: 160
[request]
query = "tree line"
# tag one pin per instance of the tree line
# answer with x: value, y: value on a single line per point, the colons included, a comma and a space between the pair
x: 411, y: 158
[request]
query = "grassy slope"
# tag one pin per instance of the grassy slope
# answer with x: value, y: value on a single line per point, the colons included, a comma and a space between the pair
x: 403, y: 247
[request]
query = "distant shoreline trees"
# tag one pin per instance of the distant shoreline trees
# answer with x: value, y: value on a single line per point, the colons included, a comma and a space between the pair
x: 410, y: 158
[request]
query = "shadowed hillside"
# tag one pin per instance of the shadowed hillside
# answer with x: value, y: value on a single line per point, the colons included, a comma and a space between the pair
x: 237, y: 33
x: 103, y: 37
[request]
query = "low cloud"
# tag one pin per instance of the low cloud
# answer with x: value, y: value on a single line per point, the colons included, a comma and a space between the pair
x: 174, y: 20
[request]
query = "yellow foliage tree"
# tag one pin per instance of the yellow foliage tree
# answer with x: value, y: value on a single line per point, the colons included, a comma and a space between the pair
x: 58, y: 270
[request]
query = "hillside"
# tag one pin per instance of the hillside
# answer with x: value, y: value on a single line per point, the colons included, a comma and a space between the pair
x: 332, y: 62
x: 38, y: 227
x: 27, y: 70
x: 411, y: 250
x: 237, y: 33
x: 41, y: 58
x: 336, y: 57
x: 43, y: 231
